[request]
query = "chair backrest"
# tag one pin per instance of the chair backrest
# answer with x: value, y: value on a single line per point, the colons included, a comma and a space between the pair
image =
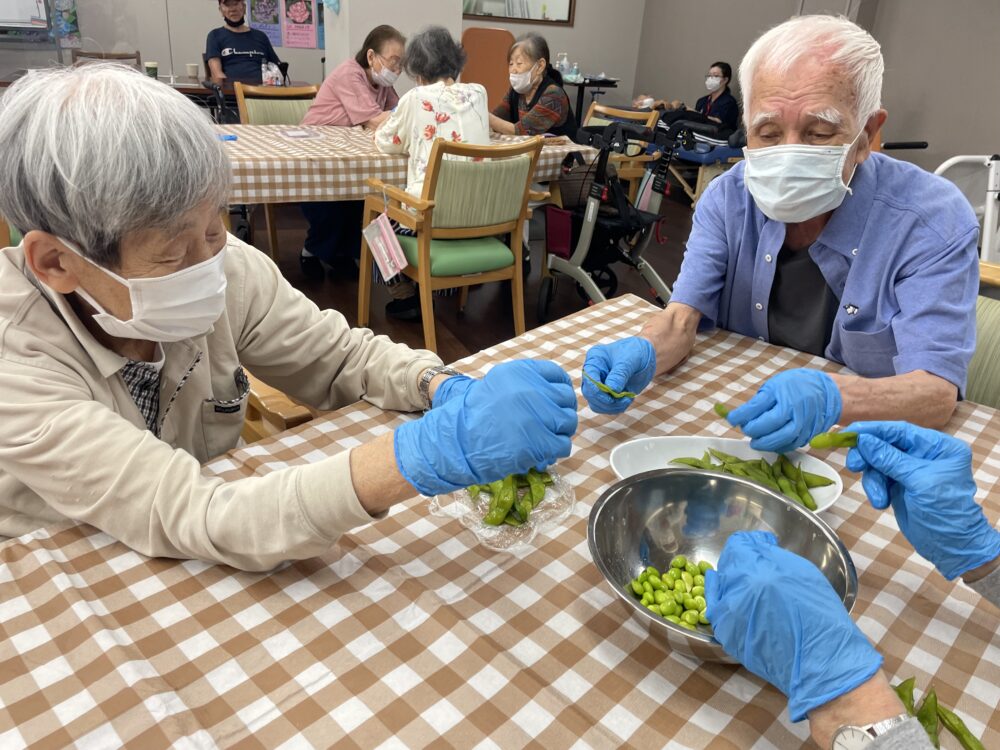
x: 480, y: 186
x: 600, y: 114
x: 9, y: 237
x: 989, y: 273
x: 273, y: 105
x: 487, y: 61
x: 79, y: 56
x: 984, y: 369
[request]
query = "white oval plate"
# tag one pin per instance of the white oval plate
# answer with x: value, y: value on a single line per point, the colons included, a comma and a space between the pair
x: 649, y: 453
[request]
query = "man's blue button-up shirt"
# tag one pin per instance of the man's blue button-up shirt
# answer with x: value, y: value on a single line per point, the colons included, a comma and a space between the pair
x: 900, y: 253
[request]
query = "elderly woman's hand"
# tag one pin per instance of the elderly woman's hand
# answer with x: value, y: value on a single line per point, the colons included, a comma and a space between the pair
x: 521, y: 415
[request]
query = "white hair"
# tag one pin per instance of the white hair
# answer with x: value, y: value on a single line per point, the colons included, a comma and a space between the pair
x: 836, y: 40
x: 93, y: 153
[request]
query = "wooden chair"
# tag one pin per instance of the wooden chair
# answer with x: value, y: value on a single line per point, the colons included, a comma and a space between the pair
x: 466, y: 204
x: 983, y: 386
x: 631, y: 166
x: 273, y: 105
x: 487, y: 64
x: 79, y: 57
x: 269, y: 411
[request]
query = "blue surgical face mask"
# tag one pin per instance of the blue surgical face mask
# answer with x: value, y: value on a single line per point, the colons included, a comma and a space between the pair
x: 795, y: 183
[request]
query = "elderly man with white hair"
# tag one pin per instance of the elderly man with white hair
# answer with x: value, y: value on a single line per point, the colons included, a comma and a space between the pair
x: 816, y: 243
x: 127, y: 315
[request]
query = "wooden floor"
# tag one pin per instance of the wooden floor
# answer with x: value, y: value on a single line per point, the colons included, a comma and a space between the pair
x: 487, y: 318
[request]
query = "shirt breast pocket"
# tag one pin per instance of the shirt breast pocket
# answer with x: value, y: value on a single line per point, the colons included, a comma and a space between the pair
x: 222, y: 417
x: 869, y: 353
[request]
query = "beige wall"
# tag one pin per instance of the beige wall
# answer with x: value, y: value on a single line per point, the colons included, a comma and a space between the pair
x: 674, y: 56
x: 934, y: 52
x: 604, y: 38
x: 127, y: 25
x: 942, y: 61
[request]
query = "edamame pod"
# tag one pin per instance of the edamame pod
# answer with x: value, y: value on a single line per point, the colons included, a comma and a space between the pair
x: 504, y: 501
x: 537, y: 487
x: 957, y: 727
x: 827, y: 440
x: 695, y: 463
x: 803, y: 493
x: 605, y: 389
x: 815, y: 480
x: 927, y: 715
x: 905, y: 692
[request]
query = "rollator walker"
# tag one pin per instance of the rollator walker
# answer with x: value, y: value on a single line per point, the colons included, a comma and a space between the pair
x: 624, y: 232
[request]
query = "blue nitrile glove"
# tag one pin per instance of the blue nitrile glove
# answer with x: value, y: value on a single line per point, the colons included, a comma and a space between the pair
x: 788, y: 410
x: 776, y: 614
x: 521, y: 415
x: 625, y: 365
x: 453, y: 386
x: 927, y: 478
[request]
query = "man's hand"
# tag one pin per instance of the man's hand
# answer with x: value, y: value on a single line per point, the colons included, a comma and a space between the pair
x: 788, y: 410
x: 521, y: 415
x: 625, y: 365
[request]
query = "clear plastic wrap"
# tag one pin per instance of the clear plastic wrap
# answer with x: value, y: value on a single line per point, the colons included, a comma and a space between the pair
x: 553, y: 509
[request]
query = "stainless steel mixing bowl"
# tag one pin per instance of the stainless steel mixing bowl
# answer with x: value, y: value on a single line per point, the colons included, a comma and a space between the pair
x: 649, y: 518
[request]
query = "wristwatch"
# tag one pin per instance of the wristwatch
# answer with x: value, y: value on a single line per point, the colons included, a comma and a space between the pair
x: 856, y: 738
x: 424, y: 384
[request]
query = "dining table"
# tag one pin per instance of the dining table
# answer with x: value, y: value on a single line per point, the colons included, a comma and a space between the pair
x: 289, y: 164
x: 409, y: 633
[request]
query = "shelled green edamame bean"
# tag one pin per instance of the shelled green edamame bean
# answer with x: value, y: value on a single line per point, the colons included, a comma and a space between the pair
x: 513, y: 498
x: 677, y: 594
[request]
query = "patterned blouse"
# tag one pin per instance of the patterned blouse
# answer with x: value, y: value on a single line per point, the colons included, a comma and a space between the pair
x: 456, y: 113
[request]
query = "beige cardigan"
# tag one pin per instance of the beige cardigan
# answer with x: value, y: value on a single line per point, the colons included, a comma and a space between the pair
x: 74, y: 445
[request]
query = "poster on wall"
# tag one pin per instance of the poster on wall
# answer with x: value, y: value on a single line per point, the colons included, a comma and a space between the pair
x: 320, y: 27
x: 300, y: 23
x: 266, y: 16
x: 65, y: 25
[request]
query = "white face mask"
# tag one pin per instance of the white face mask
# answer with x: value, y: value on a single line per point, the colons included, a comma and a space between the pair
x: 385, y: 78
x: 521, y: 82
x: 713, y: 82
x: 795, y: 183
x: 178, y: 306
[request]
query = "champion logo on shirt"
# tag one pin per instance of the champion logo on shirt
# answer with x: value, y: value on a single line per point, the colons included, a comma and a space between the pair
x: 228, y: 51
x: 851, y: 309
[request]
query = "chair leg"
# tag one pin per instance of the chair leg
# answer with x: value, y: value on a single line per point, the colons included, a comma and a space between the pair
x: 517, y: 299
x: 463, y: 298
x: 427, y: 313
x: 272, y: 231
x: 365, y: 276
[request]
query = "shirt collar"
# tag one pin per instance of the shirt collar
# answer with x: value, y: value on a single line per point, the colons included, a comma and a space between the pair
x: 847, y: 224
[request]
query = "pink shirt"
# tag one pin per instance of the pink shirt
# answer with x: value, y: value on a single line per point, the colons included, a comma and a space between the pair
x: 347, y: 98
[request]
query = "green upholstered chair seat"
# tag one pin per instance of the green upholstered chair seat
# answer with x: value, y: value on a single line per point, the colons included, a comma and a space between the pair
x: 276, y: 111
x: 461, y: 257
x: 984, y: 370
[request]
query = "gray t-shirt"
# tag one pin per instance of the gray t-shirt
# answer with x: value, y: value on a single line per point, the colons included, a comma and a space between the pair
x: 802, y: 307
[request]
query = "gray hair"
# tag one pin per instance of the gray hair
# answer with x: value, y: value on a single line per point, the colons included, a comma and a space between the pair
x: 432, y: 55
x: 836, y: 40
x: 93, y: 153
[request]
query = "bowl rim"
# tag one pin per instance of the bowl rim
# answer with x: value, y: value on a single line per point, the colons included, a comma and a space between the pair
x: 834, y: 475
x: 850, y: 595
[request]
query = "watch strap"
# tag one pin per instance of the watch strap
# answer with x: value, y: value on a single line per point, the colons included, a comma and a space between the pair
x: 424, y: 384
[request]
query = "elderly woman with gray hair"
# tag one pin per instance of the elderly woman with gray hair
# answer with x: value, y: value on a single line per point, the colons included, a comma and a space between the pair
x: 438, y: 107
x: 127, y: 315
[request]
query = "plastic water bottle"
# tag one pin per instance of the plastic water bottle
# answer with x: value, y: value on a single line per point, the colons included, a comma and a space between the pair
x: 574, y: 74
x: 562, y: 63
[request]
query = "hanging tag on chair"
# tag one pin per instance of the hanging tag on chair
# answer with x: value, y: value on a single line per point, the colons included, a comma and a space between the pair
x: 385, y: 247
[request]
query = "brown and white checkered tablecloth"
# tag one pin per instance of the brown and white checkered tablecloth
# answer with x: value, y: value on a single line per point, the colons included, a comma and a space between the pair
x: 271, y: 167
x: 409, y: 634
